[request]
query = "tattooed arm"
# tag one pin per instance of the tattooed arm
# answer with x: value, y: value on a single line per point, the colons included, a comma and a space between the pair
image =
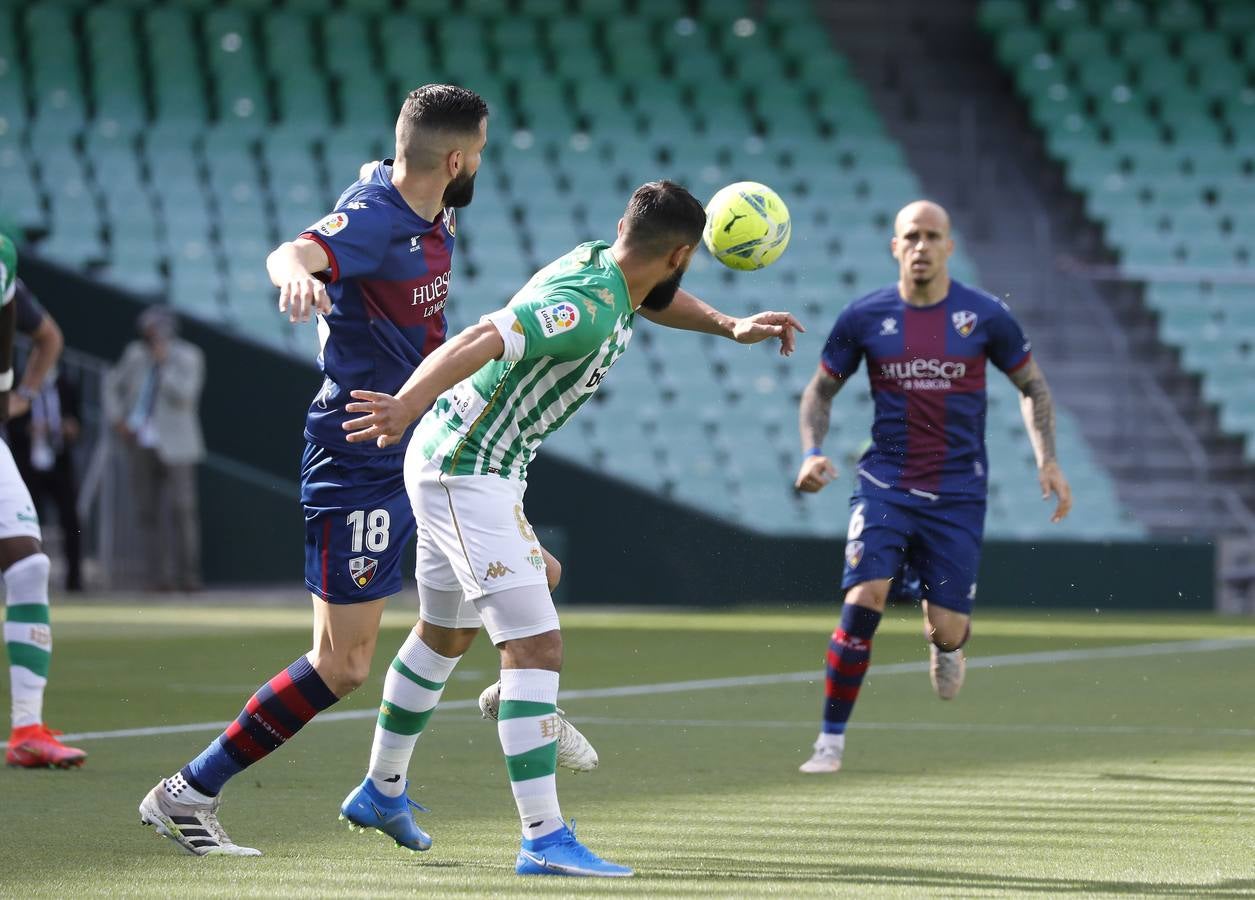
x: 814, y: 413
x: 1038, y: 408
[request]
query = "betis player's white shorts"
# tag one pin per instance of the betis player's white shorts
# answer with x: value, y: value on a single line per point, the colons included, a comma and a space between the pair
x: 474, y: 543
x: 17, y: 512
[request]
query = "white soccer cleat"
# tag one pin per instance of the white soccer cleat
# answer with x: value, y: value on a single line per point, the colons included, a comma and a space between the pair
x: 574, y: 750
x: 825, y: 760
x: 946, y: 671
x: 194, y: 827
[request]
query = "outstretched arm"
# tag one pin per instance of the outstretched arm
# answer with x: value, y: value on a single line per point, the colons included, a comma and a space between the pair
x: 814, y: 414
x: 387, y: 417
x: 689, y: 313
x: 1038, y: 409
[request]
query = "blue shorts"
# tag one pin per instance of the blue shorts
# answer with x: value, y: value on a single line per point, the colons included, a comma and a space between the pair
x: 358, y: 523
x: 939, y: 541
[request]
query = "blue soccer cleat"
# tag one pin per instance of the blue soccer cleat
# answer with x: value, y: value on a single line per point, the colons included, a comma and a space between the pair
x: 560, y: 853
x: 365, y: 808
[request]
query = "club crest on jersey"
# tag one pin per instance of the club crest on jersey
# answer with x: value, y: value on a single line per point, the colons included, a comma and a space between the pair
x: 332, y: 224
x: 558, y: 318
x: 362, y: 570
x: 853, y: 553
x: 964, y: 321
x: 889, y: 326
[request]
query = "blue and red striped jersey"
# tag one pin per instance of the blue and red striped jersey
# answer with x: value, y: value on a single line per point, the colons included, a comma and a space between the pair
x: 388, y: 280
x: 926, y: 366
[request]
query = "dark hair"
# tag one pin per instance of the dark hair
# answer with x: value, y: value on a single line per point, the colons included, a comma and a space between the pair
x: 436, y: 109
x: 444, y: 107
x: 661, y: 216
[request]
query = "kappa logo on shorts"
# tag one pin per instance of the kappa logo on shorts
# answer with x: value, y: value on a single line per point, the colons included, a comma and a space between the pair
x: 853, y: 553
x: 964, y: 321
x: 362, y: 570
x: 497, y: 570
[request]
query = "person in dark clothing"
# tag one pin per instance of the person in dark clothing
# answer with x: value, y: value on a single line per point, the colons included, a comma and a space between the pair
x: 42, y: 441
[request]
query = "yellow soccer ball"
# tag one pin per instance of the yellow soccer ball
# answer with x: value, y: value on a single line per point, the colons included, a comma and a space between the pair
x: 747, y: 226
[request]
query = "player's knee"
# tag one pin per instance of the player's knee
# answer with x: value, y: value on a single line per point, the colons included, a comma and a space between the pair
x: 950, y: 635
x: 871, y: 594
x: 448, y: 642
x: 539, y: 651
x: 343, y: 673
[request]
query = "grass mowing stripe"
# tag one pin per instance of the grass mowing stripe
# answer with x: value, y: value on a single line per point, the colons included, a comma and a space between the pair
x: 704, y: 684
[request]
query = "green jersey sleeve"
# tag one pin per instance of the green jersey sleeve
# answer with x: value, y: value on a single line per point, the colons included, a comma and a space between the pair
x: 8, y: 269
x: 562, y: 324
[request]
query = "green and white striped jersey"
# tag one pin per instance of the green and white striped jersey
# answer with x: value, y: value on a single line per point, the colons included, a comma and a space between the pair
x: 562, y: 332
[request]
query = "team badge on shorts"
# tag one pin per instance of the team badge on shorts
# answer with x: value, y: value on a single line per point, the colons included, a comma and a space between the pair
x: 362, y: 570
x: 853, y: 553
x: 964, y: 321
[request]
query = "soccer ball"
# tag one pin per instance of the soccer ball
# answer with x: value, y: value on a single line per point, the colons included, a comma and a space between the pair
x: 747, y: 226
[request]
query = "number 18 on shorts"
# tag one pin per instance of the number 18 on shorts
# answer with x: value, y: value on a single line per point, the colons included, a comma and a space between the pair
x: 358, y: 521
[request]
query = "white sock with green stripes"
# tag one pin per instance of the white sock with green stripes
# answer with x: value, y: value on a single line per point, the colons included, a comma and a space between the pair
x: 527, y: 723
x: 410, y: 694
x: 27, y: 636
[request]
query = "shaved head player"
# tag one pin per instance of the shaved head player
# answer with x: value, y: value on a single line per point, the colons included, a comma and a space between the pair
x: 920, y: 494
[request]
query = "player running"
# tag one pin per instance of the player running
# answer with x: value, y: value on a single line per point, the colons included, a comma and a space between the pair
x: 500, y: 388
x: 25, y: 566
x: 920, y: 499
x: 377, y: 270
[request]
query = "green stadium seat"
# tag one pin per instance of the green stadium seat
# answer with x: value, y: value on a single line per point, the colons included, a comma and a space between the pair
x: 1216, y: 78
x: 1121, y: 15
x: 1082, y: 45
x: 1145, y: 48
x: 1064, y: 15
x: 1236, y: 17
x: 1101, y: 76
x: 1179, y: 16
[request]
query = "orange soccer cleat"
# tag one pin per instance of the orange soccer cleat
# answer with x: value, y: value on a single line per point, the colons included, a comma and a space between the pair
x: 37, y: 747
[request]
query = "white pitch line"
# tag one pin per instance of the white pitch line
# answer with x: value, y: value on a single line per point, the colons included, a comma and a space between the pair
x: 705, y: 684
x: 1012, y: 728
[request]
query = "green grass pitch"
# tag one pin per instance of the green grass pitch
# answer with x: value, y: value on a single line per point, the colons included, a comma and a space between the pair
x: 1129, y: 774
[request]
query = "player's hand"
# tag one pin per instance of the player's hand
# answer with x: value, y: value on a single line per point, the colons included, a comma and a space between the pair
x: 815, y: 473
x: 385, y: 421
x: 1050, y: 476
x: 764, y: 325
x: 18, y: 405
x: 301, y: 296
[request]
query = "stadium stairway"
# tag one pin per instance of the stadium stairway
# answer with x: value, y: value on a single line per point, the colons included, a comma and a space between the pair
x: 942, y: 94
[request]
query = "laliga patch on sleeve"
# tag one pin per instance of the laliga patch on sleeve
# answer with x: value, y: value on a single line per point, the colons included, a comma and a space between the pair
x: 332, y: 224
x: 557, y: 319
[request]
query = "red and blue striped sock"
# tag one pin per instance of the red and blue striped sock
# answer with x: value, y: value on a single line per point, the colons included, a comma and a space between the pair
x: 849, y: 653
x: 277, y: 711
